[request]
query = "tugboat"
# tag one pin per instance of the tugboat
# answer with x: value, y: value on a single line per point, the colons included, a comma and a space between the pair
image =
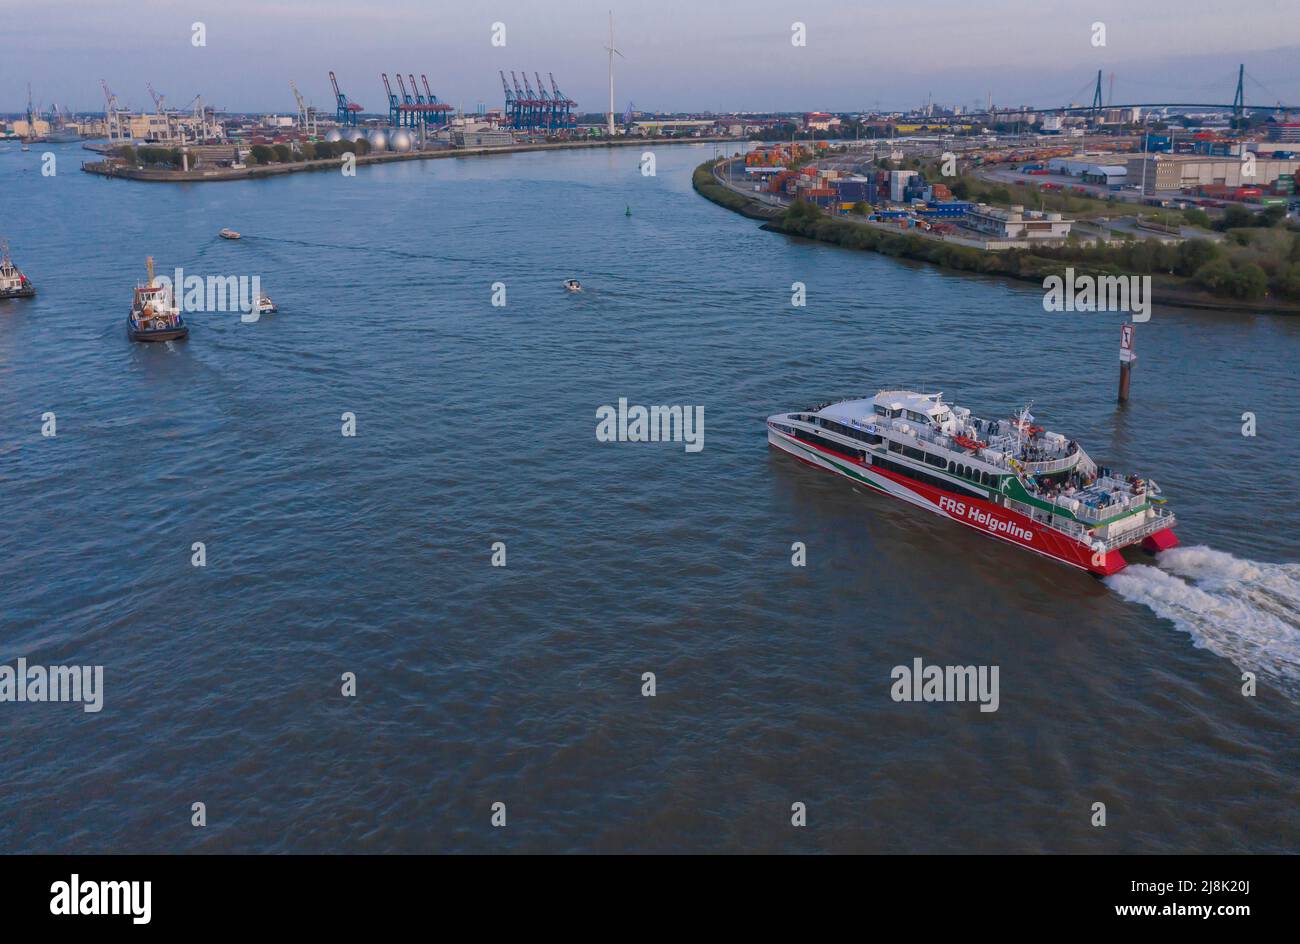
x: 13, y: 284
x: 154, y: 315
x: 229, y: 233
x: 573, y: 285
x: 1008, y: 478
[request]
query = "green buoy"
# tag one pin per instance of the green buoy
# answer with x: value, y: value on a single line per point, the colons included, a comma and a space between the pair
x: 629, y: 212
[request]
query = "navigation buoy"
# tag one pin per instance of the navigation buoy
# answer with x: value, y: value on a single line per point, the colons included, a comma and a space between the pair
x: 1126, y: 359
x: 628, y: 212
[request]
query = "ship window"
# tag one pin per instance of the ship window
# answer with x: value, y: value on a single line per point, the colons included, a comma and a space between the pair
x: 913, y: 453
x: 895, y: 446
x: 936, y: 460
x: 880, y: 410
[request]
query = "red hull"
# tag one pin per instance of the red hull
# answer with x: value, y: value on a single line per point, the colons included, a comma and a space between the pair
x: 997, y: 521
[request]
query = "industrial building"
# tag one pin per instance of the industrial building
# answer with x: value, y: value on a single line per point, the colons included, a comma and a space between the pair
x: 482, y: 138
x: 1179, y: 171
x: 1017, y: 223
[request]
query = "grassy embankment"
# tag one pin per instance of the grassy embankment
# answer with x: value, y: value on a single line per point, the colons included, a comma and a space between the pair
x: 1256, y: 268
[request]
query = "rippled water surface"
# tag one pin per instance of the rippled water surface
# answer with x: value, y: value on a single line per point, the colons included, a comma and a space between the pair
x: 522, y: 684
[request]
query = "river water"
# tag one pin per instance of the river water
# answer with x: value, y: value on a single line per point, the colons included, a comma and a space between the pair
x: 475, y: 424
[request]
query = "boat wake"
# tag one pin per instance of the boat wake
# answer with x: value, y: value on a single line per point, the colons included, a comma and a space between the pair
x: 1245, y: 611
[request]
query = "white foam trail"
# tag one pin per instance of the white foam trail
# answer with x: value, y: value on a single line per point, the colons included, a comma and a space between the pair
x: 1245, y: 611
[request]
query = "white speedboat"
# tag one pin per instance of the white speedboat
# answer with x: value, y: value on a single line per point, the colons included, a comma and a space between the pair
x: 573, y: 285
x: 265, y: 306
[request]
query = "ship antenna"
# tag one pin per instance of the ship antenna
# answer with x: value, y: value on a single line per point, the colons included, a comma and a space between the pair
x: 4, y: 251
x: 148, y: 263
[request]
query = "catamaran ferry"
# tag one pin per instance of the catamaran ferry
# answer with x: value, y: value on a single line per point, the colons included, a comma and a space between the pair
x: 1009, y: 478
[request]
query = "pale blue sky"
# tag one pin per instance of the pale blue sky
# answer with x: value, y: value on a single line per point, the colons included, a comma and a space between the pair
x: 680, y: 54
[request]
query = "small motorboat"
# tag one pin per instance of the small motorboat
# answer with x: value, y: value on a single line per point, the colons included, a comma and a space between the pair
x: 154, y: 315
x: 228, y: 233
x: 265, y: 306
x: 573, y: 285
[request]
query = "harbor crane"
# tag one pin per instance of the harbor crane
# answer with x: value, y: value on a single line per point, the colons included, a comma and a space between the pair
x: 547, y: 106
x: 347, y: 111
x: 306, y: 113
x: 512, y: 104
x: 159, y: 103
x: 562, y: 102
x: 112, y: 114
x: 525, y: 102
x: 440, y: 112
x: 394, y: 104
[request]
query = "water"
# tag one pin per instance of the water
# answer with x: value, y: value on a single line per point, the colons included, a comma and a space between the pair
x: 522, y: 684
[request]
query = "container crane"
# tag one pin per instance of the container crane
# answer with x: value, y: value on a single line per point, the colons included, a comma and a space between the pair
x: 525, y: 103
x: 537, y: 117
x: 437, y: 109
x: 347, y: 111
x: 409, y: 110
x: 547, y: 106
x: 512, y: 103
x: 394, y: 103
x: 563, y: 103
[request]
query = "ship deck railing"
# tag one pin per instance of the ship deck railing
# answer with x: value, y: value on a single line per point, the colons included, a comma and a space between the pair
x: 1073, y: 528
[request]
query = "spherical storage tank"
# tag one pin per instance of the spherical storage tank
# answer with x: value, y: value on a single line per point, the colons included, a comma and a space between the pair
x: 378, y: 140
x: 401, y: 140
x: 334, y: 134
x: 353, y: 134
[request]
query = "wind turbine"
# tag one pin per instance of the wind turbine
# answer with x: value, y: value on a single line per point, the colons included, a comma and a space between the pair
x: 612, y: 51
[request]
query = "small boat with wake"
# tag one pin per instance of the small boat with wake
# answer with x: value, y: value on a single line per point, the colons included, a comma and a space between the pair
x: 229, y: 233
x: 154, y: 315
x: 265, y: 306
x: 573, y: 285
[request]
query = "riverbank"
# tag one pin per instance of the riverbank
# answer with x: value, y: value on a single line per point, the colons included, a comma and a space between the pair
x: 259, y: 171
x: 1021, y: 264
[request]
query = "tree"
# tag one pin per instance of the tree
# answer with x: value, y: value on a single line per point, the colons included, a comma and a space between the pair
x: 283, y: 153
x: 1235, y: 217
x: 1287, y: 284
x: 261, y: 154
x: 1193, y: 254
x: 1197, y: 218
x: 1216, y: 275
x: 308, y: 150
x: 1249, y: 281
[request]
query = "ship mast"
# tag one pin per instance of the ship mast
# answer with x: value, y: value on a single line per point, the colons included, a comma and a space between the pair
x: 148, y: 263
